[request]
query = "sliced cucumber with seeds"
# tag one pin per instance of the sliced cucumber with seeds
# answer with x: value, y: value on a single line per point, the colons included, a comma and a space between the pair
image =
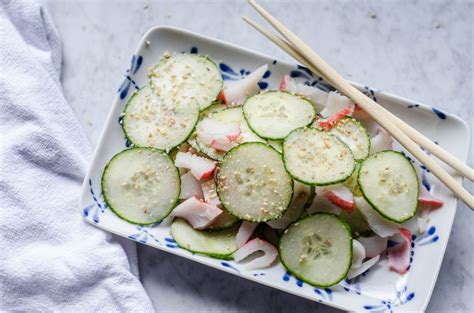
x: 317, y: 249
x: 389, y: 183
x: 229, y: 116
x: 353, y: 133
x: 317, y: 158
x: 274, y: 114
x: 218, y: 244
x: 149, y: 122
x: 182, y: 79
x: 252, y: 183
x: 141, y: 185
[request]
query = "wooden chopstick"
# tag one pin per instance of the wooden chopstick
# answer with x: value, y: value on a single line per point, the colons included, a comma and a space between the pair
x: 416, y: 136
x: 368, y: 105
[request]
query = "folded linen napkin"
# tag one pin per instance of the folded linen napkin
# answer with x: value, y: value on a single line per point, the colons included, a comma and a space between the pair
x: 50, y: 259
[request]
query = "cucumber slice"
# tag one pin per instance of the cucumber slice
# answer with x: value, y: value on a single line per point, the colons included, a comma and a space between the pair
x: 182, y: 79
x: 149, y: 122
x: 317, y: 158
x: 217, y: 244
x: 274, y: 114
x: 229, y: 116
x: 317, y: 249
x: 252, y: 183
x: 389, y: 183
x: 276, y: 144
x: 141, y: 185
x: 353, y: 133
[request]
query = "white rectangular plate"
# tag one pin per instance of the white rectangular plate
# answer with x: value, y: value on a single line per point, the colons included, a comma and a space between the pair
x: 379, y: 290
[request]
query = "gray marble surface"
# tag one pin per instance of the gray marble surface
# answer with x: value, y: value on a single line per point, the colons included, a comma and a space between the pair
x: 421, y: 50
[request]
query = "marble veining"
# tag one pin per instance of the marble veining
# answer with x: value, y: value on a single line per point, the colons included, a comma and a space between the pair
x: 385, y: 44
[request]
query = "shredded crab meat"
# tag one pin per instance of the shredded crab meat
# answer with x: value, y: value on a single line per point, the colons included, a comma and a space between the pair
x: 245, y: 232
x: 316, y: 95
x: 270, y: 253
x: 339, y: 195
x: 190, y: 187
x: 218, y: 135
x: 200, y: 167
x: 235, y: 92
x: 197, y: 213
x: 209, y: 189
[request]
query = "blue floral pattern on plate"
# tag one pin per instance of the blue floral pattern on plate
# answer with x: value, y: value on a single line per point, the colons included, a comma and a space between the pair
x: 128, y: 81
x: 99, y: 205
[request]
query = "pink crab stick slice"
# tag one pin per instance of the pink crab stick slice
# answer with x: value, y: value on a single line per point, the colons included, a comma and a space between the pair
x: 338, y: 195
x: 337, y: 103
x: 316, y: 95
x: 245, y: 232
x: 399, y: 255
x: 190, y: 187
x: 235, y: 92
x: 427, y: 200
x: 270, y: 253
x: 200, y: 167
x: 209, y: 190
x: 217, y: 134
x: 197, y: 213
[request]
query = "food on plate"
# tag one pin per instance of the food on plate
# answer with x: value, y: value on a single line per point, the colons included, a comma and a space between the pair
x: 298, y: 173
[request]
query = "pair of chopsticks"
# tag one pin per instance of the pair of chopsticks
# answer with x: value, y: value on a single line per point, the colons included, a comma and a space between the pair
x: 408, y: 137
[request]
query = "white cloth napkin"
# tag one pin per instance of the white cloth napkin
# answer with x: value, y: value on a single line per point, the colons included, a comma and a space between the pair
x: 50, y: 258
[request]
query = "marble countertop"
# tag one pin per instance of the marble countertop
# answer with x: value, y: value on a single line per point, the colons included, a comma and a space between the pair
x: 415, y: 49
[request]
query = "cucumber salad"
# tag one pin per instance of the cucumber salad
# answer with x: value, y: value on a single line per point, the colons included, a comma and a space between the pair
x: 296, y: 174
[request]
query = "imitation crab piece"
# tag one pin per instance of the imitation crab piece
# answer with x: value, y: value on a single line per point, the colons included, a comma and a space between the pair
x: 330, y: 122
x: 427, y: 200
x: 197, y: 213
x: 316, y: 95
x: 217, y: 134
x: 209, y: 190
x: 399, y: 255
x: 381, y: 141
x: 200, y: 167
x: 270, y: 253
x: 358, y: 254
x: 338, y: 195
x: 245, y: 232
x: 190, y: 187
x: 374, y: 245
x: 337, y: 103
x: 235, y: 92
x: 377, y: 223
x: 354, y: 272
